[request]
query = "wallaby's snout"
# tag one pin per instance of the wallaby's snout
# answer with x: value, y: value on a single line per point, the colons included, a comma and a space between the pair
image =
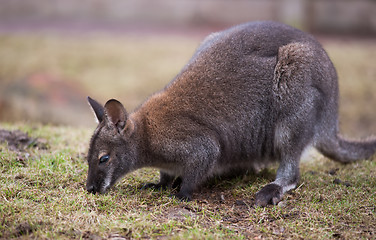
x: 99, y: 182
x: 91, y: 189
x: 92, y: 186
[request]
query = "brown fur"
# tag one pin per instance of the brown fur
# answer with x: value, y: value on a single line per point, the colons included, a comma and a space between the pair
x: 252, y: 94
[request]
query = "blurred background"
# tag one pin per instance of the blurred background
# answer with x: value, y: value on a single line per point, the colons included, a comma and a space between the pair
x: 55, y: 53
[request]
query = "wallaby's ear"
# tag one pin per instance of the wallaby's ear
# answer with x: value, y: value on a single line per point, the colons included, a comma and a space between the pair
x: 97, y: 109
x: 116, y: 114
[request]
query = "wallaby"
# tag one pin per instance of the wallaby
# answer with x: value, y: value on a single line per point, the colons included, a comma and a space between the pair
x: 255, y: 93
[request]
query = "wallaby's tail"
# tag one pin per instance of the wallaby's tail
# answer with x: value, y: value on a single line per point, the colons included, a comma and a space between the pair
x: 345, y: 151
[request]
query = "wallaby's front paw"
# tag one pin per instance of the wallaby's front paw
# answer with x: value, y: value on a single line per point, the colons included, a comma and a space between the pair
x: 183, y: 196
x: 270, y: 194
x: 155, y: 186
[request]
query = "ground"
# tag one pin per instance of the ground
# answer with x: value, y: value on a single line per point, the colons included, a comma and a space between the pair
x: 43, y: 195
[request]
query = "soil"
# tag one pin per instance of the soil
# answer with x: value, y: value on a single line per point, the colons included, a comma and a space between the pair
x: 24, y: 229
x: 19, y: 141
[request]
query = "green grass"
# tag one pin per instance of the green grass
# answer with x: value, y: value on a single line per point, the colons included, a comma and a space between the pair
x: 43, y: 196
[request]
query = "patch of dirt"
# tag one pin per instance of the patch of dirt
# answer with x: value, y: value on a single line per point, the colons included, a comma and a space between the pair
x: 111, y: 236
x: 340, y: 182
x: 91, y: 236
x: 126, y: 234
x: 180, y: 214
x: 19, y: 141
x: 24, y: 229
x: 333, y: 171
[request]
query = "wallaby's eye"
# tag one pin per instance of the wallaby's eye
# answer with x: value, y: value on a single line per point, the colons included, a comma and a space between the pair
x: 104, y: 159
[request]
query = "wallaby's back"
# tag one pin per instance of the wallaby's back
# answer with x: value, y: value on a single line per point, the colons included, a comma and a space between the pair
x: 229, y: 90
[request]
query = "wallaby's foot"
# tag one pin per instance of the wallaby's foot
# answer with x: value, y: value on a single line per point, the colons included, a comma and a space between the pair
x: 154, y: 186
x: 185, y: 193
x: 183, y: 196
x: 270, y: 194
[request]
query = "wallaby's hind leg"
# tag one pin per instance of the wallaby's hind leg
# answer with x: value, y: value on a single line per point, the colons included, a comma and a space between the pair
x: 295, y: 98
x: 287, y: 179
x: 292, y: 136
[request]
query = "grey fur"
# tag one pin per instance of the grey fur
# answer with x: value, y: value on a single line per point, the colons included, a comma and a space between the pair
x: 252, y: 94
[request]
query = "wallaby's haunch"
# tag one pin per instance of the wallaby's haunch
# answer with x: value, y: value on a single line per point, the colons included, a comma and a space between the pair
x: 252, y: 94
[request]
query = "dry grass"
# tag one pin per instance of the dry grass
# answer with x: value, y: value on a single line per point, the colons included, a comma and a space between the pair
x: 42, y: 195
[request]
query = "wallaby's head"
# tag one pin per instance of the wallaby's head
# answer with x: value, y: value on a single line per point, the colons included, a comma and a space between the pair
x: 112, y: 150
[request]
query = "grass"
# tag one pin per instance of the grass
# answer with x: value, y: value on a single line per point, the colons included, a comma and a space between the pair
x: 42, y: 195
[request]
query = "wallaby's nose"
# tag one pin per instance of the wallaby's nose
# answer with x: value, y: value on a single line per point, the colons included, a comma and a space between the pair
x: 91, y: 189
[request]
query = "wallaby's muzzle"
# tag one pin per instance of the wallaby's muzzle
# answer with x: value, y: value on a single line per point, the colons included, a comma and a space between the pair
x: 91, y: 189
